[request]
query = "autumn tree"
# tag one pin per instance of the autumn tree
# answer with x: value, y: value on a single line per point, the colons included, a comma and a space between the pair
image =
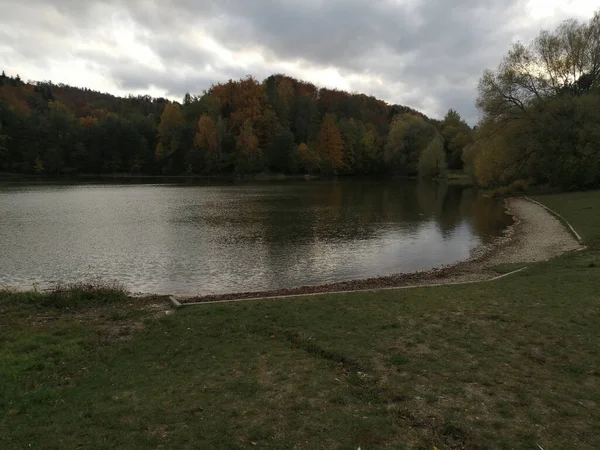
x: 308, y: 160
x: 279, y: 124
x: 372, y: 142
x: 170, y: 132
x: 206, y: 149
x: 248, y: 149
x: 432, y: 159
x: 409, y: 135
x: 351, y: 135
x: 242, y: 101
x: 540, y: 111
x: 330, y: 146
x: 266, y: 127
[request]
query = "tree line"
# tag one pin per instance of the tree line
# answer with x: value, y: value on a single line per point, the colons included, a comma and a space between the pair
x: 540, y: 109
x: 279, y: 125
x: 540, y: 125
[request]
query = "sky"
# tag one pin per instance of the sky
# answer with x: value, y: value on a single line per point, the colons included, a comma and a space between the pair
x: 426, y: 54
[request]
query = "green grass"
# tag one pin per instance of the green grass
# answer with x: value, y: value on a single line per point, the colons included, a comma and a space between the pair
x: 504, y: 365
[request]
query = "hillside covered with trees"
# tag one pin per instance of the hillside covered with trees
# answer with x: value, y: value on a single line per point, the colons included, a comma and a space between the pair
x: 540, y: 125
x: 280, y: 125
x: 541, y: 113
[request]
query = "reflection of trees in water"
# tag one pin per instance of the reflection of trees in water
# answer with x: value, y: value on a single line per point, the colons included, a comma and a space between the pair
x: 485, y: 216
x: 346, y: 210
x: 283, y: 229
x: 440, y: 202
x: 449, y: 217
x: 350, y: 210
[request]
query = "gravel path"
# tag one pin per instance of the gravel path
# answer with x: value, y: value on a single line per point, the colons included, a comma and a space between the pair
x: 539, y: 236
x: 536, y: 235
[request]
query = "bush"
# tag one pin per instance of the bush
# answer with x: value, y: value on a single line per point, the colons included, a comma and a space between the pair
x: 81, y: 294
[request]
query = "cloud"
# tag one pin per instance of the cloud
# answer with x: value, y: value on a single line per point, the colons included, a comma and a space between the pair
x: 427, y: 54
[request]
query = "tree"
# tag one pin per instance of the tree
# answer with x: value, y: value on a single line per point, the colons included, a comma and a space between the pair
x: 206, y: 134
x: 247, y: 147
x: 170, y: 132
x: 407, y: 138
x: 457, y: 135
x: 560, y: 62
x: 60, y: 129
x: 540, y: 112
x: 308, y: 160
x: 431, y: 160
x: 280, y: 154
x: 351, y: 135
x: 305, y: 119
x: 242, y: 125
x: 246, y: 100
x: 206, y: 143
x: 3, y: 149
x: 330, y: 146
x: 266, y: 127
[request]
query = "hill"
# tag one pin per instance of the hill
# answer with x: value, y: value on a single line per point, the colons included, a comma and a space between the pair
x: 280, y: 124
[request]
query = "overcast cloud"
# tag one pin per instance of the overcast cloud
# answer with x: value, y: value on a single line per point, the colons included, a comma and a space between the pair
x: 427, y: 54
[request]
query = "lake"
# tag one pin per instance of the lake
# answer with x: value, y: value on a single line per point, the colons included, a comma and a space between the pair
x: 185, y: 239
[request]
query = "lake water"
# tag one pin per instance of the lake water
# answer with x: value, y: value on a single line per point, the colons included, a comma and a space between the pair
x: 217, y: 239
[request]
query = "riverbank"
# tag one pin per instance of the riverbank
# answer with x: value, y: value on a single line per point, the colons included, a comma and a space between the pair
x: 512, y: 363
x: 536, y: 235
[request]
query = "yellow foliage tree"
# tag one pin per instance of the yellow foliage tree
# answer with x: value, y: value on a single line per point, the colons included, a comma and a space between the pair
x: 169, y: 130
x: 330, y: 145
x: 307, y: 158
x: 88, y: 122
x: 206, y: 134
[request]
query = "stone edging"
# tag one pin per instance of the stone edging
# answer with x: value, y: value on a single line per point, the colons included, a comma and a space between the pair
x: 563, y: 220
x: 177, y: 304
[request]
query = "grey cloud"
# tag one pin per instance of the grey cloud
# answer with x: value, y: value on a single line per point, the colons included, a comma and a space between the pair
x: 429, y: 54
x: 428, y: 43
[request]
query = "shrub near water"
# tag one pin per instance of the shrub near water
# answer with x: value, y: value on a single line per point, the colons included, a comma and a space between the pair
x: 82, y: 294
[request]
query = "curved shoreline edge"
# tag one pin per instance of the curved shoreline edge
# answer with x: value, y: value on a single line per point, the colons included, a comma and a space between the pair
x: 565, y: 221
x: 537, y: 234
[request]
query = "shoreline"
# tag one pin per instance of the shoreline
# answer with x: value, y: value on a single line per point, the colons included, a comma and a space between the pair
x: 535, y: 235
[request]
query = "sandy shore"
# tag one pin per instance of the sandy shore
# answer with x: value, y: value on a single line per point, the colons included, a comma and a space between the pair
x: 536, y: 235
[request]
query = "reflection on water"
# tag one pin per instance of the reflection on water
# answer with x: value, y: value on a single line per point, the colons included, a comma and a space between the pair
x: 215, y: 239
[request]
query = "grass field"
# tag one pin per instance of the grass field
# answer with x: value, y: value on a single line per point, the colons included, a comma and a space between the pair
x: 511, y: 364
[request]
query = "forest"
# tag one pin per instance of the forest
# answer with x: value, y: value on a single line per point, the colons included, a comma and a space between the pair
x: 279, y: 125
x: 540, y: 125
